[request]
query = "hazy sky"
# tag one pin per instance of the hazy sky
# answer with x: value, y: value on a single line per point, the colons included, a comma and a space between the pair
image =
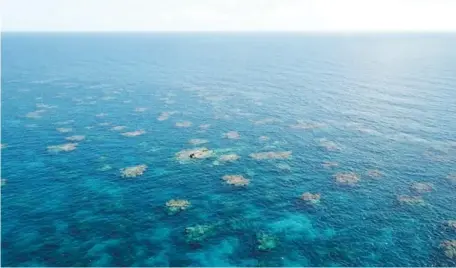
x: 228, y: 15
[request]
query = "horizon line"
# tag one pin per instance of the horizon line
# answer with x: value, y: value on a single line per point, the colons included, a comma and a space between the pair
x: 238, y: 31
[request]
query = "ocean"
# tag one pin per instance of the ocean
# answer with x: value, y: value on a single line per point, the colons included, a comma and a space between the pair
x: 228, y: 149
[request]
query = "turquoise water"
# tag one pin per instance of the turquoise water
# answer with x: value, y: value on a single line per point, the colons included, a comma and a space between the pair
x: 385, y: 103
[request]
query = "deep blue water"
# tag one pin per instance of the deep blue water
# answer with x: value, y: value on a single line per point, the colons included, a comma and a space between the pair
x: 387, y: 102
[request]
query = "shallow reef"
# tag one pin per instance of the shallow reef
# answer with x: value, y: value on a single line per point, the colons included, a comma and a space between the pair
x: 140, y: 109
x: 232, y: 135
x: 45, y: 106
x: 451, y: 178
x: 64, y: 129
x: 266, y: 241
x: 374, y: 173
x: 101, y: 115
x: 165, y: 116
x: 184, y: 124
x: 449, y: 248
x: 199, y: 233
x: 228, y: 158
x: 174, y: 206
x: 133, y: 171
x: 411, y: 200
x: 105, y: 167
x: 197, y: 153
x: 204, y: 126
x: 118, y: 128
x: 271, y: 155
x: 75, y: 138
x: 3, y: 146
x: 283, y: 167
x: 236, y: 180
x: 329, y: 164
x: 450, y: 224
x: 35, y: 114
x: 347, y: 178
x: 307, y: 126
x: 328, y: 145
x: 67, y: 147
x: 134, y: 133
x: 422, y: 187
x: 311, y: 199
x: 437, y: 154
x: 3, y: 182
x: 269, y: 120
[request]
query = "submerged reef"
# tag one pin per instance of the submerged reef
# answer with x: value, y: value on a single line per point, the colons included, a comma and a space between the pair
x: 328, y: 145
x: 75, y: 138
x: 311, y: 199
x: 197, y: 141
x: 204, y: 126
x: 266, y: 241
x: 374, y: 173
x: 140, y: 109
x: 271, y: 155
x: 134, y: 133
x: 283, y: 167
x: 45, y: 106
x: 348, y: 178
x: 35, y: 114
x: 411, y: 200
x: 263, y: 138
x: 233, y: 135
x: 64, y: 129
x: 3, y: 182
x: 228, y: 157
x: 164, y: 116
x: 108, y: 98
x: 329, y: 164
x: 437, y: 154
x: 174, y: 206
x: 184, y: 124
x: 451, y: 178
x: 133, y: 171
x: 236, y: 180
x: 3, y: 146
x: 451, y: 224
x: 307, y: 126
x: 265, y: 121
x: 118, y: 128
x: 198, y: 233
x: 105, y: 167
x: 449, y: 248
x: 422, y: 187
x: 67, y: 122
x: 67, y: 147
x: 197, y: 153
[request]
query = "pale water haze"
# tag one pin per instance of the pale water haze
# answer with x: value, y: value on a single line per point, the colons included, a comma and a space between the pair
x: 233, y: 15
